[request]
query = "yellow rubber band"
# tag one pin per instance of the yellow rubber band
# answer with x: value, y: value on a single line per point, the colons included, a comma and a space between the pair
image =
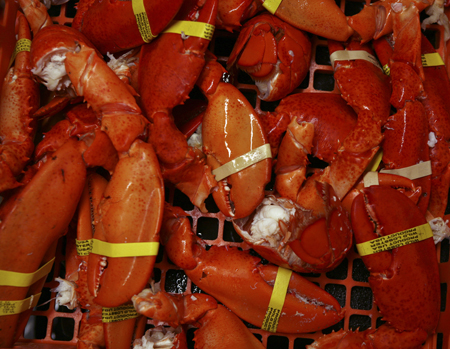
x: 276, y: 303
x: 401, y: 238
x: 142, y: 20
x: 376, y: 160
x: 16, y: 279
x: 17, y: 307
x: 120, y: 313
x: 109, y: 249
x: 241, y: 162
x: 272, y: 5
x: 432, y: 60
x: 21, y: 45
x: 387, y: 69
x: 419, y: 170
x: 344, y: 55
x: 189, y: 28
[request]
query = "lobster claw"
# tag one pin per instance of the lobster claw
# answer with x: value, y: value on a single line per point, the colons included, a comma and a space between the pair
x: 37, y: 217
x: 99, y: 20
x: 322, y: 18
x: 275, y: 54
x: 244, y: 285
x: 407, y: 275
x: 130, y: 211
x: 232, y: 129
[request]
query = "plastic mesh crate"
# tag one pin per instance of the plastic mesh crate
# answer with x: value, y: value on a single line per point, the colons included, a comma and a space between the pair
x: 51, y: 328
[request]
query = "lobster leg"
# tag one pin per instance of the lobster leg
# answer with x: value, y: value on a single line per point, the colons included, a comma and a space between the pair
x: 20, y: 99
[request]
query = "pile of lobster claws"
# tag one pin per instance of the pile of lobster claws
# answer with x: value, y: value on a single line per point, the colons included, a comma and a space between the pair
x: 244, y: 285
x: 102, y: 20
x: 291, y: 236
x: 275, y: 54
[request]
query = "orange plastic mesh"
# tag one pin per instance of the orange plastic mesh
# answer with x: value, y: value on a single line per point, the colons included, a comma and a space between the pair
x: 51, y: 328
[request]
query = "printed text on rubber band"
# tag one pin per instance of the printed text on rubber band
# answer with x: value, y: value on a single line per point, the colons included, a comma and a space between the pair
x: 17, y: 307
x: 272, y: 5
x: 108, y: 249
x: 21, y: 45
x: 432, y: 60
x: 276, y: 303
x: 120, y: 313
x: 395, y: 240
x: 16, y: 279
x: 428, y: 60
x: 252, y: 157
x: 345, y: 55
x: 142, y: 20
x: 189, y: 28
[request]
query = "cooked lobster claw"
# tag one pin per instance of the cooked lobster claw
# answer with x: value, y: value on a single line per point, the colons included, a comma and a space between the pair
x: 275, y: 55
x: 33, y: 220
x: 232, y: 129
x: 134, y: 194
x: 112, y: 25
x: 217, y: 326
x: 239, y: 280
x: 407, y: 275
